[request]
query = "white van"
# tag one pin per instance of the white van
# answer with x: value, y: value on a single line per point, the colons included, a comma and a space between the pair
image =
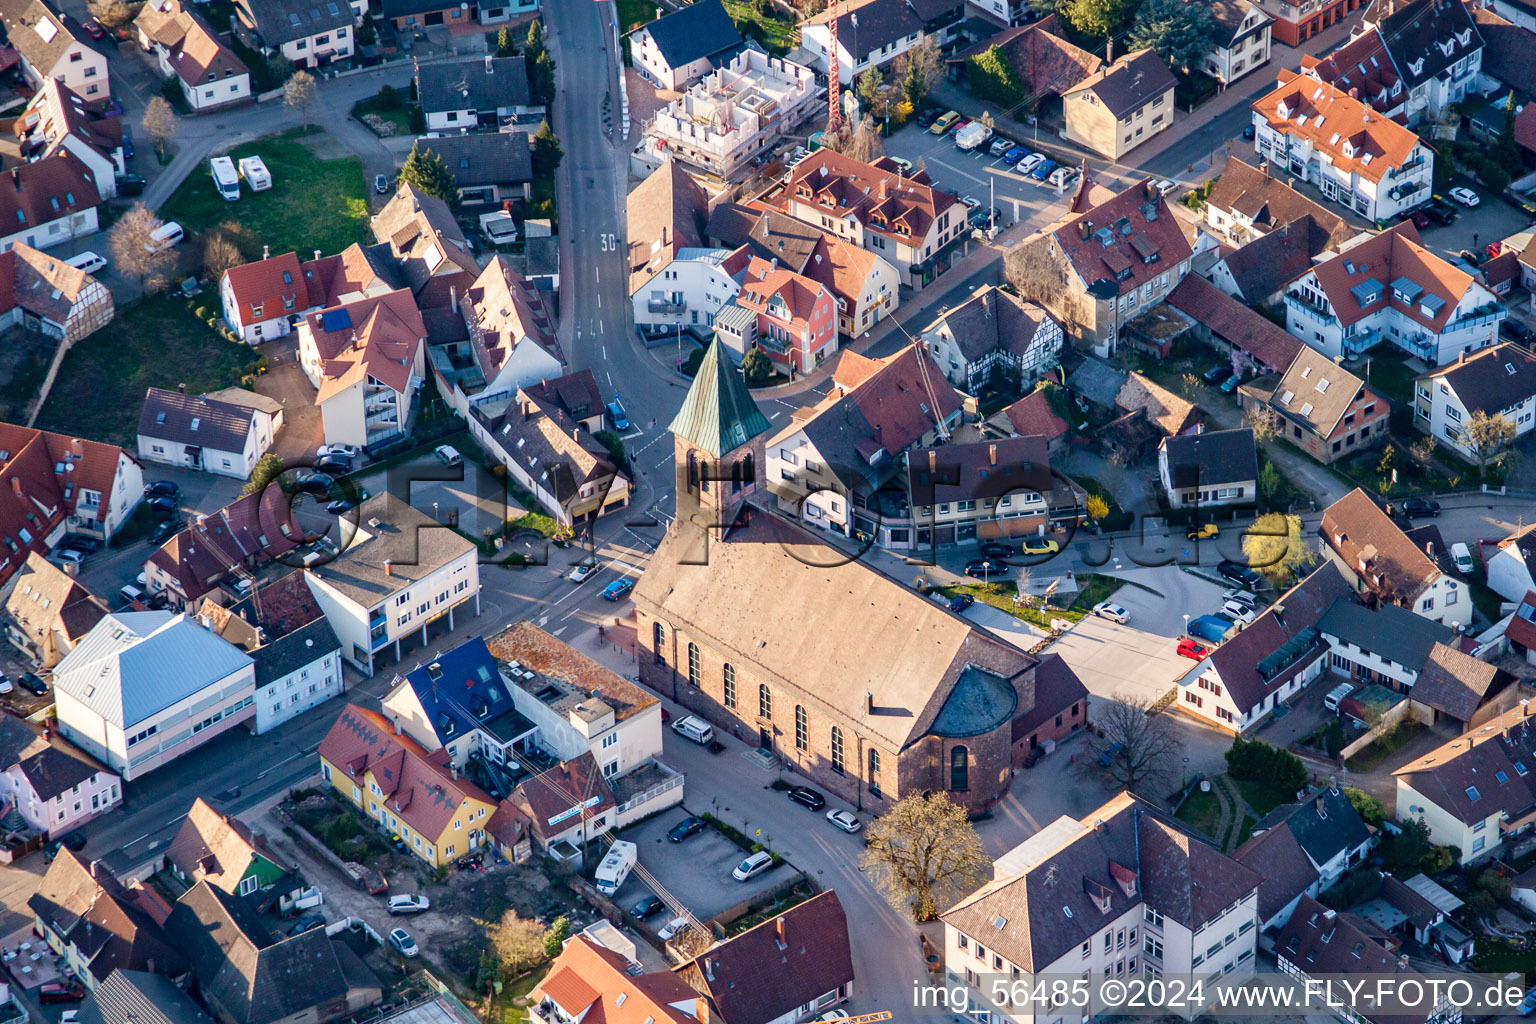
x: 88, y: 262
x: 1463, y: 559
x: 254, y: 170
x: 225, y: 178
x: 695, y: 729
x: 1337, y: 694
x: 131, y: 593
x: 166, y: 236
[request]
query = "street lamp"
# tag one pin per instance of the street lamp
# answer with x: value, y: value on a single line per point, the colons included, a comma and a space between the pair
x: 434, y: 512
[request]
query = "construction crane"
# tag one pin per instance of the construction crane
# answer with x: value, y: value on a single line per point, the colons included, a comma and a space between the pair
x: 868, y: 1018
x: 834, y: 77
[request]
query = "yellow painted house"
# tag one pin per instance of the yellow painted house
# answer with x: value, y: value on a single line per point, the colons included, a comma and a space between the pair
x: 393, y: 780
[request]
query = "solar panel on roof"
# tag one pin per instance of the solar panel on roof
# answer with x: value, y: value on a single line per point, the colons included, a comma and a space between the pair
x: 335, y: 320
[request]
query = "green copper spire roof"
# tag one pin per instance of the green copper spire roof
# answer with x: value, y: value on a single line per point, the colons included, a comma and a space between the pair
x: 719, y: 413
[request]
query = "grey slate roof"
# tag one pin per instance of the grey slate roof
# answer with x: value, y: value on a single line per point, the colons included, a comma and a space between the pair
x: 1097, y: 381
x: 136, y: 664
x: 286, y: 655
x: 284, y: 21
x: 195, y: 420
x: 1283, y: 866
x: 1390, y: 631
x: 137, y: 997
x: 693, y: 33
x: 1212, y: 458
x: 718, y: 413
x: 1322, y: 831
x: 485, y: 158
x: 410, y: 541
x: 468, y: 85
x: 49, y: 770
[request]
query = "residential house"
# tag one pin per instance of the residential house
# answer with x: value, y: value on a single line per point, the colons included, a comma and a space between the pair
x: 47, y: 611
x: 568, y: 805
x: 1240, y: 682
x: 1387, y: 646
x: 511, y: 334
x: 49, y: 202
x: 223, y: 851
x: 1111, y: 257
x: 429, y: 247
x: 307, y: 35
x: 873, y: 33
x: 262, y: 299
x: 298, y: 658
x: 1504, y: 43
x: 1467, y: 691
x: 666, y: 215
x: 733, y: 115
x: 992, y: 489
x: 691, y: 290
x: 828, y: 464
x: 877, y: 734
x: 562, y: 464
x: 1209, y: 469
x: 138, y: 997
x: 789, y: 317
x: 1435, y: 47
x: 52, y: 484
x: 247, y: 975
x: 576, y: 395
x: 1061, y: 708
x: 367, y: 360
x: 49, y: 296
x: 1363, y: 68
x: 1256, y: 274
x: 99, y: 926
x: 1357, y: 158
x: 1110, y: 894
x: 1318, y: 945
x: 52, y: 46
x: 994, y: 331
x: 1240, y: 42
x: 1295, y: 23
x: 51, y: 785
x: 1520, y: 627
x: 58, y: 118
x: 217, y: 551
x: 464, y: 95
x: 1286, y: 871
x: 1327, y: 828
x: 418, y: 15
x: 588, y: 982
x: 1034, y: 415
x: 1385, y: 566
x: 808, y: 959
x: 1498, y: 382
x: 143, y: 688
x: 1046, y: 63
x: 209, y: 74
x: 1511, y: 567
x: 1121, y: 105
x: 398, y: 573
x: 225, y: 436
x: 1390, y: 288
x: 1150, y: 413
x: 683, y: 46
x: 461, y: 703
x: 1318, y: 406
x: 1253, y: 343
x: 1248, y: 203
x: 917, y: 228
x: 489, y: 167
x: 439, y: 815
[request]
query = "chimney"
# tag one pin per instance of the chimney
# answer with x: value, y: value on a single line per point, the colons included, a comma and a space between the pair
x: 992, y: 454
x: 1461, y: 357
x: 266, y: 252
x: 396, y: 723
x: 16, y: 178
x: 933, y: 460
x: 869, y: 703
x: 182, y: 387
x: 453, y: 297
x: 575, y: 431
x: 778, y: 927
x: 1429, y: 548
x: 1109, y: 51
x: 453, y: 771
x: 489, y: 67
x: 709, y: 968
x: 1322, y: 806
x: 77, y: 447
x: 527, y: 411
x: 317, y: 254
x: 16, y: 485
x: 389, y: 567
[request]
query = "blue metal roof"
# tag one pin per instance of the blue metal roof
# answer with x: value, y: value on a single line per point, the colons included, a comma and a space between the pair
x: 460, y: 689
x: 1366, y: 292
x: 1408, y: 288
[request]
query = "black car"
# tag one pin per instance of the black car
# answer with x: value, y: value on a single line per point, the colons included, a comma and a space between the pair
x: 29, y: 681
x: 807, y: 797
x: 130, y: 184
x: 341, y: 506
x: 80, y: 542
x: 314, y: 483
x: 960, y: 602
x: 930, y: 115
x: 74, y: 842
x: 1421, y: 507
x: 1439, y: 211
x: 995, y: 551
x: 307, y: 922
x: 338, y: 464
x: 161, y: 503
x: 685, y: 828
x: 165, y: 531
x: 1518, y: 331
x: 1248, y: 132
x: 162, y: 489
x: 1217, y: 373
x: 1238, y: 573
x: 648, y: 907
x: 983, y: 568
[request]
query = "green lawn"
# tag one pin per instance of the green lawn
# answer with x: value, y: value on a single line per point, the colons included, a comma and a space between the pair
x: 635, y: 12
x: 1202, y: 812
x: 399, y: 116
x: 1384, y: 747
x: 1261, y: 799
x: 1094, y: 588
x: 312, y: 204
x: 158, y: 343
x: 1390, y: 374
x: 778, y: 37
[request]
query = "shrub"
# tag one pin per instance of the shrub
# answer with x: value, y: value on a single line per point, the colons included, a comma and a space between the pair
x: 1258, y: 761
x: 389, y: 98
x: 1370, y: 809
x: 201, y: 312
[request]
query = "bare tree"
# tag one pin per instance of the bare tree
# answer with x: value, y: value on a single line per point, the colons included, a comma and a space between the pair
x: 1422, y: 453
x: 987, y: 119
x: 1137, y: 749
x: 160, y: 123
x: 1039, y: 276
x: 221, y: 253
x: 1262, y: 422
x: 862, y: 143
x: 114, y: 15
x: 924, y: 851
x: 135, y: 250
x: 300, y: 95
x: 517, y: 942
x: 915, y: 71
x: 1487, y: 437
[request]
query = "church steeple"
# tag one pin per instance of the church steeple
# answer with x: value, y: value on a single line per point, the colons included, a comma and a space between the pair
x: 718, y: 441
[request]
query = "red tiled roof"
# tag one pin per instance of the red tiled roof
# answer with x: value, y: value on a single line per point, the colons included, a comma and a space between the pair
x: 546, y: 796
x: 1123, y: 241
x: 277, y: 285
x: 1393, y: 254
x: 1264, y: 340
x: 380, y: 339
x: 254, y: 528
x: 504, y: 311
x: 594, y: 984
x: 1363, y: 68
x: 41, y: 477
x: 1374, y: 548
x: 1032, y: 414
x: 1332, y: 120
x: 49, y: 189
x: 764, y: 282
x: 885, y: 201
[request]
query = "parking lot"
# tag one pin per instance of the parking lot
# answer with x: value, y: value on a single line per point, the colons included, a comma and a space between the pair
x: 697, y: 871
x: 975, y: 174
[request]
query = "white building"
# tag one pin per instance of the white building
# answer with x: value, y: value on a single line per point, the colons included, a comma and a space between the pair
x: 874, y: 33
x: 53, y: 789
x: 143, y: 688
x: 1389, y: 289
x: 225, y: 433
x: 1209, y: 469
x: 306, y: 33
x: 734, y: 114
x: 463, y: 95
x: 59, y: 118
x: 691, y: 290
x: 511, y: 334
x: 1109, y: 894
x: 49, y: 202
x: 993, y: 330
x: 1498, y: 381
x: 676, y: 50
x: 53, y: 47
x: 1352, y: 154
x: 260, y: 299
x: 1436, y: 50
x: 367, y: 361
x: 1303, y: 848
x: 1241, y: 40
x: 1511, y: 569
x: 399, y: 573
x: 186, y: 48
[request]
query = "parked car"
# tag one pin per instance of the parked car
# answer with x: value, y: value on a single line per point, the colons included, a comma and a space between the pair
x: 1014, y: 154
x: 80, y: 542
x: 346, y: 451
x: 1043, y: 171
x: 165, y: 531
x: 1039, y: 546
x: 1108, y: 757
x: 130, y: 184
x: 343, y: 505
x: 1248, y: 132
x: 318, y: 484
x: 616, y: 413
x: 1239, y: 612
x: 617, y: 589
x: 161, y: 503
x: 671, y: 928
x: 688, y: 827
x: 832, y: 1015
x: 1165, y: 186
x: 380, y: 184
x: 1439, y: 211
x: 1191, y: 649
x: 68, y: 556
x: 1202, y: 531
x: 1230, y: 570
x: 1232, y: 383
x: 409, y: 903
x: 448, y: 454
x: 648, y: 907
x: 1000, y: 145
x: 960, y: 602
x: 339, y: 465
x: 32, y: 684
x: 806, y: 797
x: 1107, y: 610
x: 402, y: 941
x: 993, y: 549
x: 6, y: 686
x: 94, y: 30
x: 74, y: 842
x: 1217, y: 373
x: 983, y: 568
x: 944, y: 122
x: 162, y: 489
x: 581, y: 573
x: 1029, y: 163
x: 929, y: 115
x: 307, y: 922
x: 1415, y: 507
x: 61, y: 992
x: 1465, y: 196
x: 845, y: 820
x: 1418, y: 217
x: 753, y: 866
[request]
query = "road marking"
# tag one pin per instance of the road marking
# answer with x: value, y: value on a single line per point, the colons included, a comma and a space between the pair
x: 599, y: 302
x: 557, y: 632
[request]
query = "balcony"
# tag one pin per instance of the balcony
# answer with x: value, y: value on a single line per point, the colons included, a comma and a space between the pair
x: 771, y: 344
x: 1308, y: 310
x: 1485, y: 314
x: 672, y: 306
x: 1356, y: 344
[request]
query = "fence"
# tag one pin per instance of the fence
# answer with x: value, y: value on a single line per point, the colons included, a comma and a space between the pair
x: 772, y: 895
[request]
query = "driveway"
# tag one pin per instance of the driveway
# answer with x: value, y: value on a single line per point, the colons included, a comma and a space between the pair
x: 303, y: 429
x: 695, y: 873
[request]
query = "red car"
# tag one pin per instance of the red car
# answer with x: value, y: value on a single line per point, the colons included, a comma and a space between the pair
x: 957, y: 126
x: 94, y: 30
x: 1189, y: 649
x: 1418, y: 217
x: 61, y: 992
